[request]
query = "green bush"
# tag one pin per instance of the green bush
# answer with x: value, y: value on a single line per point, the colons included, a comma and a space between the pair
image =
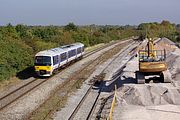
x: 15, y: 56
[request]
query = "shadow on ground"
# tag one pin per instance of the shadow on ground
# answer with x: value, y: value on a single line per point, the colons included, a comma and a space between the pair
x: 26, y: 73
x: 125, y: 80
x: 119, y: 83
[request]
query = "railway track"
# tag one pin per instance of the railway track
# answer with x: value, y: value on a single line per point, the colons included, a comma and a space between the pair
x: 14, y: 95
x: 71, y: 82
x: 99, y: 48
x: 19, y: 92
x: 96, y: 98
x: 81, y: 102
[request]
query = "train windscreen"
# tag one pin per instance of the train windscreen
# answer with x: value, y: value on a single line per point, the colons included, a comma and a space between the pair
x: 43, y: 61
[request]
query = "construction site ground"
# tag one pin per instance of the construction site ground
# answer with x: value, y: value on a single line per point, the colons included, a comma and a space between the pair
x: 149, y: 101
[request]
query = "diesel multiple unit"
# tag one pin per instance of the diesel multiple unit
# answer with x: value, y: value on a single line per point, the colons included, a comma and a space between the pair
x: 46, y: 62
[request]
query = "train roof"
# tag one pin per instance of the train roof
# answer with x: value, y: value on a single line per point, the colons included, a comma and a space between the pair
x: 72, y: 46
x: 50, y: 52
x: 58, y: 50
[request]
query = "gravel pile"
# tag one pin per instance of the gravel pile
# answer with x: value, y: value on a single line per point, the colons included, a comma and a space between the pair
x: 150, y: 94
x: 175, y: 66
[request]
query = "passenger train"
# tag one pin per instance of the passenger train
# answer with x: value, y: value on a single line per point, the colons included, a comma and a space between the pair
x: 47, y: 61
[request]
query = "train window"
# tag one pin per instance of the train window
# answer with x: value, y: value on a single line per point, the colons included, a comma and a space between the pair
x: 72, y: 53
x: 78, y: 50
x: 69, y: 54
x: 63, y: 56
x: 83, y: 49
x: 55, y: 60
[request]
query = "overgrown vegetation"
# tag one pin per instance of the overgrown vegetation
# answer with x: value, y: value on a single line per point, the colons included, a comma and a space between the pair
x: 20, y: 43
x: 163, y: 29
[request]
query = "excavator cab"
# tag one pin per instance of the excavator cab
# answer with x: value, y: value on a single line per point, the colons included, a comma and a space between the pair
x: 151, y: 62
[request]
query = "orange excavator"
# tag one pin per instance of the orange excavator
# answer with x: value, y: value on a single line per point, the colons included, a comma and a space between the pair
x: 152, y: 62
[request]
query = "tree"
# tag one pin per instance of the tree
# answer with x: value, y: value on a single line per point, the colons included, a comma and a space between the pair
x: 178, y: 38
x: 9, y: 31
x: 70, y: 27
x: 165, y: 23
x: 22, y: 30
x: 178, y: 26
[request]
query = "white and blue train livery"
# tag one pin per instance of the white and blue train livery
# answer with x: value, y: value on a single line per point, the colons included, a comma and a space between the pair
x: 47, y: 61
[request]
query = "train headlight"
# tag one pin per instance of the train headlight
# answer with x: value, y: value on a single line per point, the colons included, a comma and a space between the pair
x: 49, y: 68
x: 36, y: 68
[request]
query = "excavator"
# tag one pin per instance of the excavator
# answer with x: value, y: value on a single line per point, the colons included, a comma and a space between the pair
x: 152, y: 62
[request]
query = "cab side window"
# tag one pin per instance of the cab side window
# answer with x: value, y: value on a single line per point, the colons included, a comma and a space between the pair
x: 83, y: 49
x: 55, y: 60
x: 78, y: 50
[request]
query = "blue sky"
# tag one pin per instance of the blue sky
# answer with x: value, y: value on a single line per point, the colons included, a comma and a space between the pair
x: 82, y: 12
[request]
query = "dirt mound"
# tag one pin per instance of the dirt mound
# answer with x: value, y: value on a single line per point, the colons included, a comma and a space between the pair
x: 173, y: 61
x: 166, y: 44
x: 150, y: 94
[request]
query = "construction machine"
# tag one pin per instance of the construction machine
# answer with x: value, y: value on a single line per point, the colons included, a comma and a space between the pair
x: 152, y: 62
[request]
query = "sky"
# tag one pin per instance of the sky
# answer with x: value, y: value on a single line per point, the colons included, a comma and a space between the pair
x: 86, y: 12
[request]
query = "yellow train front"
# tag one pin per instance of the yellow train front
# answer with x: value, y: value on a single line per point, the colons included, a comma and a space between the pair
x: 47, y: 61
x: 43, y: 65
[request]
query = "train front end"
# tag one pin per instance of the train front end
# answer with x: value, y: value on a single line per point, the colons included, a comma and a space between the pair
x: 43, y: 65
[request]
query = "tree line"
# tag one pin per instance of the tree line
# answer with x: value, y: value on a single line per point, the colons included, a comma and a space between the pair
x: 20, y: 43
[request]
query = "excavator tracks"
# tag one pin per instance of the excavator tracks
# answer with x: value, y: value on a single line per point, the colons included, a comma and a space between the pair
x: 140, y: 77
